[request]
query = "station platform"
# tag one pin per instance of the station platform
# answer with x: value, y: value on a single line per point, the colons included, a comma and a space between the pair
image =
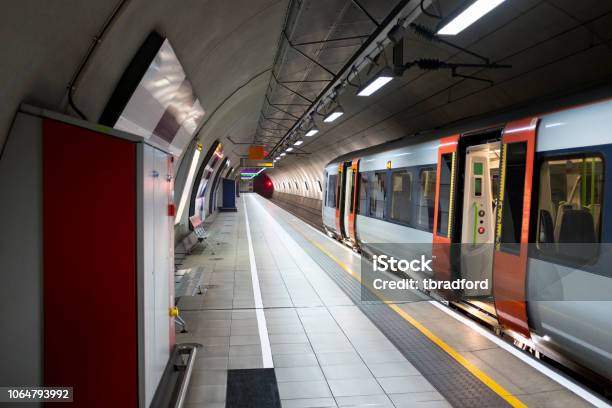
x: 281, y: 315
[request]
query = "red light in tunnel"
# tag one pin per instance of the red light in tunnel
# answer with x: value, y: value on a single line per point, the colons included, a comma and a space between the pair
x: 268, y: 184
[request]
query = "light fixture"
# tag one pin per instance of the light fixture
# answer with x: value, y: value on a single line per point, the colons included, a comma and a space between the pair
x: 298, y: 142
x: 283, y: 154
x: 188, y: 184
x: 313, y: 131
x: 379, y: 80
x: 334, y: 114
x: 277, y: 158
x: 289, y: 149
x: 466, y: 15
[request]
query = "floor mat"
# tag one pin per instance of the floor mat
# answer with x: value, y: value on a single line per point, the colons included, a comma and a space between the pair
x: 252, y: 388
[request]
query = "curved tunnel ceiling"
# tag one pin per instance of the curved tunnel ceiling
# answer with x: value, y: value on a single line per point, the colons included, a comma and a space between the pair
x: 556, y: 48
x: 228, y: 49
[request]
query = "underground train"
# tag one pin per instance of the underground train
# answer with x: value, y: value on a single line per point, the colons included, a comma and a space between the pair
x: 534, y: 192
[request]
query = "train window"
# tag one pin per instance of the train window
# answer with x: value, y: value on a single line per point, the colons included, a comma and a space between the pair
x: 363, y: 188
x: 332, y: 181
x: 426, y: 203
x: 513, y: 190
x: 401, y: 196
x: 377, y: 195
x: 569, y: 208
x: 444, y: 201
x: 320, y: 187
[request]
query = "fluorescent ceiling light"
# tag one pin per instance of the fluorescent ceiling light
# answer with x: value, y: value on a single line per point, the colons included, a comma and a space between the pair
x: 335, y: 114
x: 188, y: 185
x: 377, y: 82
x: 456, y: 23
x: 312, y: 132
x: 298, y: 142
x: 277, y: 158
x: 283, y: 154
x: 289, y: 149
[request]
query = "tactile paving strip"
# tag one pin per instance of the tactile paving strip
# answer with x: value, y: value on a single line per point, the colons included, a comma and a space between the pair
x: 460, y: 387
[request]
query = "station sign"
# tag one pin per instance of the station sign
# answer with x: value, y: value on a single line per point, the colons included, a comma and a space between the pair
x: 263, y: 163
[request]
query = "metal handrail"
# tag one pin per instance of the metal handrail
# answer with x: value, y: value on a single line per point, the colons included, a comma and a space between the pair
x: 192, y: 350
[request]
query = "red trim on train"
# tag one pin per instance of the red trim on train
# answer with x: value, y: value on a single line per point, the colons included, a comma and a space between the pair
x: 441, y: 244
x: 338, y: 198
x: 509, y: 270
x: 352, y: 217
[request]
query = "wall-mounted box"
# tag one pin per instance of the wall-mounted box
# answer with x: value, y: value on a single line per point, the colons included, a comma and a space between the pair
x: 86, y: 260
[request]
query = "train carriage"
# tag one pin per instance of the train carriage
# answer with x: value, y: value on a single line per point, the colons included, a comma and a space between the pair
x: 534, y: 191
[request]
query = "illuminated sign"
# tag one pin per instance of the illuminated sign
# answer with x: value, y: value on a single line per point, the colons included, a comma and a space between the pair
x: 256, y: 163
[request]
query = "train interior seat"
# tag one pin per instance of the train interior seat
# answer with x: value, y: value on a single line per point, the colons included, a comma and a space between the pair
x: 569, y: 213
x: 577, y: 227
x: 571, y: 203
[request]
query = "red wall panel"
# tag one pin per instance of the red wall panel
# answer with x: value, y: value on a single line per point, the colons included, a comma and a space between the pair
x: 89, y: 230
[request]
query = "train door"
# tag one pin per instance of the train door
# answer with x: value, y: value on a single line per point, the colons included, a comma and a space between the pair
x: 340, y: 200
x: 512, y: 224
x: 480, y: 185
x: 443, y: 208
x: 350, y: 176
x: 348, y: 199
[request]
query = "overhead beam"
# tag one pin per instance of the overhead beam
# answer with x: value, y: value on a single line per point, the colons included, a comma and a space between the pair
x: 405, y: 11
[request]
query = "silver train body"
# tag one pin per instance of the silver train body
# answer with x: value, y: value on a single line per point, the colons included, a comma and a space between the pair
x: 568, y: 301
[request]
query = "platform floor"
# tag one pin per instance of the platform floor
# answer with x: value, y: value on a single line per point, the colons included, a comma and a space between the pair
x: 270, y: 301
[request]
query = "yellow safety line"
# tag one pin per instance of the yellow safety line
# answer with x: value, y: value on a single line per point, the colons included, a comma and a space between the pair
x: 484, y: 378
x: 500, y: 202
x: 451, y: 201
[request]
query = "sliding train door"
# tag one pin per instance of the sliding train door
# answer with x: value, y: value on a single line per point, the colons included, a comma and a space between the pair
x: 345, y: 200
x: 512, y: 224
x: 340, y: 200
x: 350, y: 200
x: 443, y: 208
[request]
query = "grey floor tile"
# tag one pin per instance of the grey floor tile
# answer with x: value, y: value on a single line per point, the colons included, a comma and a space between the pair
x: 249, y: 330
x: 206, y: 393
x: 405, y: 400
x: 303, y: 389
x: 389, y: 356
x: 209, y: 377
x: 216, y: 323
x: 346, y: 371
x: 205, y: 405
x: 288, y: 338
x: 245, y: 350
x: 245, y: 362
x: 350, y: 357
x: 244, y: 340
x: 365, y: 401
x: 294, y: 360
x: 211, y: 363
x: 400, y: 385
x: 396, y: 369
x: 210, y: 332
x: 291, y: 348
x: 311, y: 373
x: 309, y: 403
x: 285, y: 329
x: 211, y: 341
x: 355, y: 386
